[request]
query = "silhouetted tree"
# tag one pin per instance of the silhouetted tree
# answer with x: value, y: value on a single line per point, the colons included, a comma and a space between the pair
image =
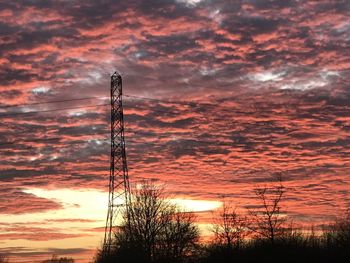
x: 267, y: 221
x: 179, y: 236
x: 154, y: 230
x: 230, y: 228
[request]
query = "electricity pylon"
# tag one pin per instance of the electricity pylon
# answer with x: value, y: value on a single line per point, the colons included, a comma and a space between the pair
x: 119, y: 187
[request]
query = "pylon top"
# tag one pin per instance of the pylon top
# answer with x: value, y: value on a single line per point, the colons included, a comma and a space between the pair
x: 116, y: 74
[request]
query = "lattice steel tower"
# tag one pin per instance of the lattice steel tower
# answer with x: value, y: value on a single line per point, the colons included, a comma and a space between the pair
x: 118, y: 180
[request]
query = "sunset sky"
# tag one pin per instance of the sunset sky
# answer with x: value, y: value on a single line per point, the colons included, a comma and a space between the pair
x: 220, y: 96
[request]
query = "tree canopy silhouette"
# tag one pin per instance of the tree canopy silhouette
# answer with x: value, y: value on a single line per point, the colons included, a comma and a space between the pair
x: 153, y: 230
x: 230, y: 228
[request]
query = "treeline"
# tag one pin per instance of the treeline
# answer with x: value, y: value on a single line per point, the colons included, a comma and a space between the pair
x: 156, y: 231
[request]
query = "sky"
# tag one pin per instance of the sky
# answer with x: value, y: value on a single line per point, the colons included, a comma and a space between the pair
x: 220, y: 97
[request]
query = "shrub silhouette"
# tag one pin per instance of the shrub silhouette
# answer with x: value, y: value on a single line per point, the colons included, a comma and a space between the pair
x: 338, y: 234
x: 56, y: 259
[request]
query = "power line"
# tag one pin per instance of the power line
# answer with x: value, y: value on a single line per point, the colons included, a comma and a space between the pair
x: 97, y: 97
x: 153, y: 143
x: 89, y: 98
x: 51, y: 110
x: 48, y: 102
x: 54, y: 139
x: 189, y: 103
x: 88, y: 106
x: 33, y: 140
x: 153, y: 110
